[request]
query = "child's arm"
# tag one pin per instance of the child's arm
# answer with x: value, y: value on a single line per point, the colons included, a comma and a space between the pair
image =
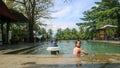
x: 86, y: 53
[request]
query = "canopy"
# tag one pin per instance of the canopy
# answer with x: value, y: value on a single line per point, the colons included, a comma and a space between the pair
x: 108, y: 26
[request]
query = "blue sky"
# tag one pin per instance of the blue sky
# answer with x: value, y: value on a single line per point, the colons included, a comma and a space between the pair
x: 68, y: 14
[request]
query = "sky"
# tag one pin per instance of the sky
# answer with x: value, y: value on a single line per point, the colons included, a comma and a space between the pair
x: 67, y: 14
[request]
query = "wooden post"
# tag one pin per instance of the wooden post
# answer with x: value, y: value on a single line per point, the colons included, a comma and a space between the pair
x: 2, y: 32
x: 8, y: 28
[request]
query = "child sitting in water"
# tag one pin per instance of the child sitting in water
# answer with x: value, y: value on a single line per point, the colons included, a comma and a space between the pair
x: 77, y: 50
x: 55, y: 45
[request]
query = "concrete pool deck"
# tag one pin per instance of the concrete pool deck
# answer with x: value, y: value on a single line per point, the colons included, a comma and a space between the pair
x: 4, y: 49
x: 55, y: 61
x: 58, y: 61
x: 106, y: 41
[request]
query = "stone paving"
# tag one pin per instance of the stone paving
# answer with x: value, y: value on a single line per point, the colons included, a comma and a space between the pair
x: 60, y: 61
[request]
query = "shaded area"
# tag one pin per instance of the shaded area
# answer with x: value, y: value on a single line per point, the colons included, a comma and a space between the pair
x: 16, y: 48
x: 4, y: 11
x: 102, y: 33
x: 6, y: 17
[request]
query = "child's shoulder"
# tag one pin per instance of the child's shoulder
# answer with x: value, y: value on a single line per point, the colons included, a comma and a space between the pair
x: 79, y: 48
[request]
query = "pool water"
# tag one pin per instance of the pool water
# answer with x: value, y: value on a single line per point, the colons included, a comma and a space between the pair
x: 68, y: 45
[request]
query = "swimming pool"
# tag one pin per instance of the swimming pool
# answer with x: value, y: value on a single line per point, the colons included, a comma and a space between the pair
x: 68, y: 45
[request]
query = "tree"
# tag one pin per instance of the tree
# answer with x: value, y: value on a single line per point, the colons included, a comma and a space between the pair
x: 106, y: 12
x: 67, y: 34
x: 59, y: 34
x: 50, y: 32
x: 81, y: 33
x: 34, y: 9
x: 42, y: 31
x: 74, y: 34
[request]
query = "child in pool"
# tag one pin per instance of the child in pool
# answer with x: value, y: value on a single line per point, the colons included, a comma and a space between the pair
x: 77, y: 50
x: 55, y: 45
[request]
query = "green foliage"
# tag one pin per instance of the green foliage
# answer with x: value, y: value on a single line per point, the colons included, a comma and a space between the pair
x: 50, y: 32
x: 42, y: 31
x: 67, y: 34
x: 33, y: 10
x: 106, y: 12
x: 59, y: 34
x: 20, y: 30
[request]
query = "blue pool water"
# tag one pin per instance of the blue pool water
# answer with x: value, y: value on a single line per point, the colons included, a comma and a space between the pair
x: 68, y: 45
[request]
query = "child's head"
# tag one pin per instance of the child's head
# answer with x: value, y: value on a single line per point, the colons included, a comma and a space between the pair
x: 55, y: 41
x: 77, y: 43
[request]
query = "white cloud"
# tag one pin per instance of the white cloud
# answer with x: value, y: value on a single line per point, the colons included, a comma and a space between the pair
x: 63, y: 12
x: 68, y: 14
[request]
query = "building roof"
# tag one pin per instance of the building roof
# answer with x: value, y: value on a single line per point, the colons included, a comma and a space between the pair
x: 11, y: 14
x: 19, y: 16
x: 4, y: 11
x: 108, y: 26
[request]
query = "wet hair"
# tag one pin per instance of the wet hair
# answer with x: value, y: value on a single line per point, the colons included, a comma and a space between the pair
x: 76, y: 43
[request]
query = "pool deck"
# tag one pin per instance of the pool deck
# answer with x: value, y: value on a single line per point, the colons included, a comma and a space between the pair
x: 106, y: 41
x: 4, y: 49
x: 40, y: 61
x: 54, y: 61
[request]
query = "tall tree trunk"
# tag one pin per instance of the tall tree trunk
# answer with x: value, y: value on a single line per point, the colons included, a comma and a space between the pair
x: 8, y: 28
x: 31, y: 36
x: 2, y: 32
x: 31, y: 21
x: 118, y: 26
